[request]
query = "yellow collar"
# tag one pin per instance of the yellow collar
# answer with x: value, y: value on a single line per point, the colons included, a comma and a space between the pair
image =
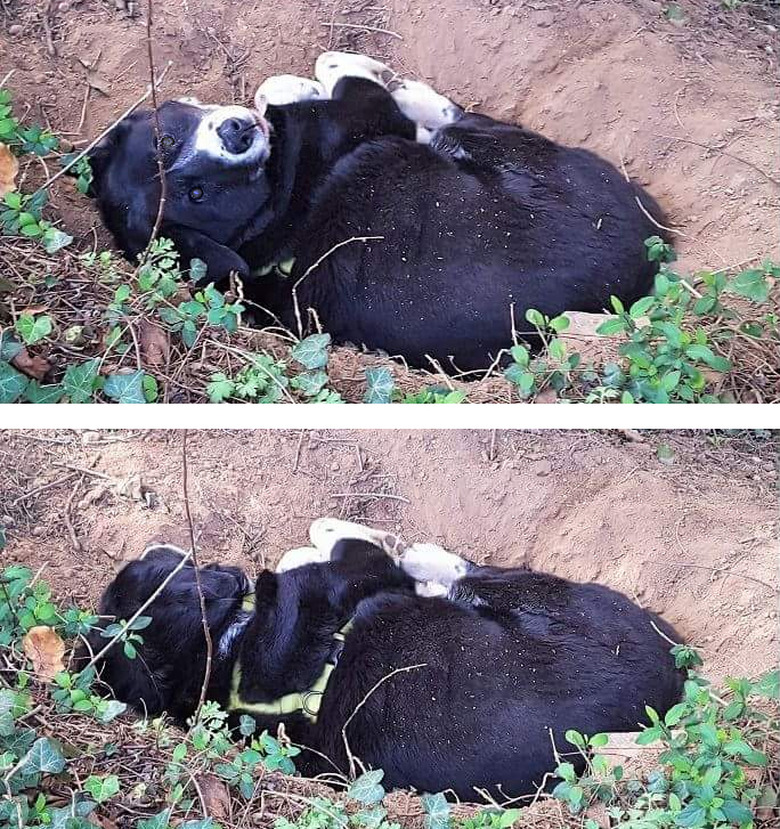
x: 305, y: 702
x: 281, y: 269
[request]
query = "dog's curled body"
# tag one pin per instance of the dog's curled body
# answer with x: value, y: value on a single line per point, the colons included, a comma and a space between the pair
x: 451, y: 693
x: 427, y: 251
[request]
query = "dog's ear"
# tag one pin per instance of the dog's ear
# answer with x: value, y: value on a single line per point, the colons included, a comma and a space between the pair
x: 101, y: 155
x: 266, y: 588
x: 220, y: 260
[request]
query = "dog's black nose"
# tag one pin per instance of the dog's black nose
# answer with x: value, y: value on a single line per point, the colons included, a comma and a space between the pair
x: 236, y: 135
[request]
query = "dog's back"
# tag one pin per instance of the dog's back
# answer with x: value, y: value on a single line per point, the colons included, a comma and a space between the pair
x: 487, y: 682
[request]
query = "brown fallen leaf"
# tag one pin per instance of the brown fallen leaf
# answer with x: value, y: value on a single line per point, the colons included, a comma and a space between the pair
x: 216, y: 796
x: 9, y: 167
x: 155, y: 345
x: 31, y: 365
x: 44, y: 648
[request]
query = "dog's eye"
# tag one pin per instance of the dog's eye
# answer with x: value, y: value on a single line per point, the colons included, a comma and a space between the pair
x: 167, y: 142
x: 196, y: 193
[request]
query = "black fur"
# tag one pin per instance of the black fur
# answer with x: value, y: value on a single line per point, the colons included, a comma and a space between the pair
x: 487, y: 218
x: 509, y: 657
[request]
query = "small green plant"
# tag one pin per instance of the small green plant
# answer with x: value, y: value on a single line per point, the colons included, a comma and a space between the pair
x: 432, y: 394
x: 381, y: 388
x: 127, y: 634
x: 261, y: 380
x: 553, y: 368
x: 81, y: 170
x: 703, y: 779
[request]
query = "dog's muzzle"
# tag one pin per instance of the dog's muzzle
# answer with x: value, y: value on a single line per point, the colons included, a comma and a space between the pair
x: 234, y: 135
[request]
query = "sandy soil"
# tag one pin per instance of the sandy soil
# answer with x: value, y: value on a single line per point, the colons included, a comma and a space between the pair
x: 689, y: 107
x: 695, y: 538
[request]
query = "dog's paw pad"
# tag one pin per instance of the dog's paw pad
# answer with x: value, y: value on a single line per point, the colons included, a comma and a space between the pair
x: 300, y: 557
x: 331, y: 67
x: 287, y: 89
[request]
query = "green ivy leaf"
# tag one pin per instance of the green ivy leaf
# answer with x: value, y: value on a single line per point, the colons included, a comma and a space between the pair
x: 125, y: 388
x: 380, y: 385
x: 80, y: 381
x: 371, y: 818
x: 12, y: 383
x: 247, y: 725
x: 45, y: 756
x: 36, y: 393
x: 198, y: 270
x: 112, y: 710
x: 158, y: 821
x: 63, y: 818
x: 310, y: 383
x: 102, y: 788
x: 55, y: 239
x: 33, y: 329
x: 367, y: 789
x: 312, y: 352
x: 9, y: 346
x: 437, y: 811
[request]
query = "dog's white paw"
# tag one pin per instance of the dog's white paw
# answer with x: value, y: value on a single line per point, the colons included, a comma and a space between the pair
x: 287, y: 89
x: 425, y: 106
x: 428, y: 589
x: 331, y: 67
x: 325, y: 533
x: 300, y: 557
x: 432, y: 565
x: 168, y: 548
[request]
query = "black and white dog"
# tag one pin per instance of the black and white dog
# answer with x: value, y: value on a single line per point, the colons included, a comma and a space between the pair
x: 447, y: 675
x: 405, y: 223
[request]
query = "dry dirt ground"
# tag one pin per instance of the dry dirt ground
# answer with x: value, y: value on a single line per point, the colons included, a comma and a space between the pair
x: 682, y: 95
x: 695, y: 537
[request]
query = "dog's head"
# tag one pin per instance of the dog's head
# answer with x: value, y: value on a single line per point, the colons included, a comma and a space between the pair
x: 214, y: 159
x: 166, y: 672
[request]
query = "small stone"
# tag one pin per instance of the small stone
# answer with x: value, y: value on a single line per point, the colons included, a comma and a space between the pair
x: 541, y: 468
x: 544, y: 19
x: 16, y: 29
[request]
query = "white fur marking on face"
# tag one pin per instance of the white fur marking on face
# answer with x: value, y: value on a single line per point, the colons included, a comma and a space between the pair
x: 208, y: 142
x: 325, y: 533
x: 279, y: 90
x: 300, y: 557
x: 331, y: 67
x: 431, y: 563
